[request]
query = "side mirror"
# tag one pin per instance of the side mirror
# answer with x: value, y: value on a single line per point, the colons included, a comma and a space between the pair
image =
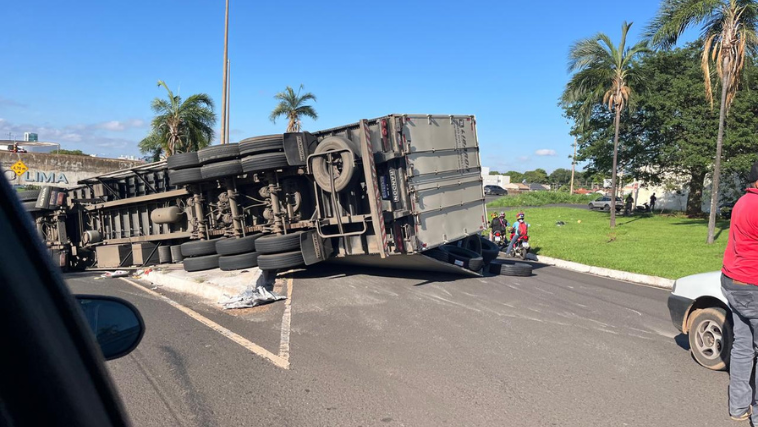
x: 116, y: 324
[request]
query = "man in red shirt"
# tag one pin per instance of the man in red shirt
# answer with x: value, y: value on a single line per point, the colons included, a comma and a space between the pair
x: 739, y: 283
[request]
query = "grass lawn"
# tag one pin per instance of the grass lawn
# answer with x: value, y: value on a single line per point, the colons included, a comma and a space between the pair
x: 659, y: 245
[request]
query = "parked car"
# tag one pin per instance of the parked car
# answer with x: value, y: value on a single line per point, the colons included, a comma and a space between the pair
x: 700, y: 311
x: 495, y: 190
x: 604, y: 203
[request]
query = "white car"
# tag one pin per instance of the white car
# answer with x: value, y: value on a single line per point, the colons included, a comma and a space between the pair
x: 700, y: 311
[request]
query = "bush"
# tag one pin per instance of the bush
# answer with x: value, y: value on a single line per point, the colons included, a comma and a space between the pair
x: 541, y: 198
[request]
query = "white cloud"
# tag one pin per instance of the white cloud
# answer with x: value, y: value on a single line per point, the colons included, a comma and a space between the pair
x: 545, y: 152
x: 86, y: 137
x: 120, y: 126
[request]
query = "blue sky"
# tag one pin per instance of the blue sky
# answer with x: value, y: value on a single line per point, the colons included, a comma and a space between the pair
x: 83, y: 73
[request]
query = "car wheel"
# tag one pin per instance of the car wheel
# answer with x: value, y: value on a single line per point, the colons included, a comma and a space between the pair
x: 710, y: 336
x: 589, y: 206
x: 607, y: 208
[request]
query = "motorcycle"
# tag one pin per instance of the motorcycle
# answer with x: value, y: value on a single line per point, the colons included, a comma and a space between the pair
x: 499, y: 240
x: 644, y: 208
x: 521, y: 246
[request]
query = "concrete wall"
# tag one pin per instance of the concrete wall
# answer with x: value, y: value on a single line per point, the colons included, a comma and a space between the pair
x: 61, y: 170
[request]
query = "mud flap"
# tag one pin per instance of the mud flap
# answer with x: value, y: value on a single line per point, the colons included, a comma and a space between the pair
x: 314, y: 248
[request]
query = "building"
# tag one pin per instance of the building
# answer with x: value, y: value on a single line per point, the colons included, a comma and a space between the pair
x: 30, y: 137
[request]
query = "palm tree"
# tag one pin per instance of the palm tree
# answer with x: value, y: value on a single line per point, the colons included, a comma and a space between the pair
x: 604, y: 72
x: 179, y: 127
x: 291, y: 106
x: 728, y: 31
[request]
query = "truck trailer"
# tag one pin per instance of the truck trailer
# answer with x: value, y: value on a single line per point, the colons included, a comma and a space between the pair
x: 401, y: 190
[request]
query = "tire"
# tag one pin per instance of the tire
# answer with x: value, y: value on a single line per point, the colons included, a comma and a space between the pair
x: 28, y: 195
x: 264, y: 162
x: 438, y: 254
x: 607, y: 208
x: 274, y: 243
x: 472, y: 243
x: 709, y: 349
x: 506, y: 268
x: 241, y: 245
x: 201, y: 263
x: 320, y: 170
x: 278, y: 261
x: 261, y: 144
x: 489, y: 250
x: 176, y: 254
x: 221, y: 169
x: 182, y: 161
x: 463, y: 257
x: 185, y: 176
x: 217, y: 153
x: 589, y: 205
x: 199, y: 248
x: 164, y: 254
x: 238, y: 262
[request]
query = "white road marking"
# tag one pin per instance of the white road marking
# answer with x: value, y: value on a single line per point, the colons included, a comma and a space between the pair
x: 284, y: 340
x: 249, y: 345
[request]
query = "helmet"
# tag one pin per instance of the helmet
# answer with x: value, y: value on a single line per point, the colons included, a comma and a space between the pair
x: 520, y: 215
x: 502, y: 213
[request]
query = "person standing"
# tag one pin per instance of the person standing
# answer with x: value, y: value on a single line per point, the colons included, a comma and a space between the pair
x: 652, y: 202
x: 628, y: 204
x: 498, y: 224
x: 739, y: 284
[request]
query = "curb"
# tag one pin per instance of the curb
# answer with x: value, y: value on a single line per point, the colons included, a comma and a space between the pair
x: 212, y: 285
x: 640, y: 279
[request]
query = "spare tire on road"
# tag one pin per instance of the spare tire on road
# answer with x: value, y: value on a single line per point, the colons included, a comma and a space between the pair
x: 201, y: 263
x: 507, y: 268
x: 463, y: 257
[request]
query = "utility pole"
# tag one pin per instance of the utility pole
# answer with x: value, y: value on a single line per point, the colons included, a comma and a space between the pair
x: 226, y: 71
x: 228, y: 96
x: 573, y: 166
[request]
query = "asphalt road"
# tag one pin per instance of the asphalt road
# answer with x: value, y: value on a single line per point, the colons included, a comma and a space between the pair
x: 373, y: 348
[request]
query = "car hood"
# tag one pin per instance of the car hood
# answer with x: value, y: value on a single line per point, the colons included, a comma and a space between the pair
x: 699, y: 285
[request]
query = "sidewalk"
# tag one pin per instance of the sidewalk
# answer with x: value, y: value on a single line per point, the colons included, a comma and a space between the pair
x: 640, y: 279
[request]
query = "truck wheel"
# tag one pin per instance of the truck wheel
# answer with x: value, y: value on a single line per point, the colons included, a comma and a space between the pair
x: 238, y: 262
x: 217, y: 153
x: 185, y: 176
x: 28, y: 195
x: 278, y: 261
x: 463, y: 257
x: 505, y: 268
x: 182, y: 161
x: 274, y: 243
x: 221, y: 169
x: 261, y: 144
x: 710, y: 336
x: 489, y: 250
x: 236, y: 246
x: 343, y: 169
x: 264, y: 162
x: 176, y: 254
x: 199, y: 248
x: 201, y: 263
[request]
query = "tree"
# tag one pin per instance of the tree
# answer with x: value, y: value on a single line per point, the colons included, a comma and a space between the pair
x: 494, y: 173
x: 728, y: 28
x: 291, y: 105
x: 537, y: 176
x: 604, y: 71
x: 560, y: 176
x: 515, y: 176
x: 179, y: 127
x: 71, y: 152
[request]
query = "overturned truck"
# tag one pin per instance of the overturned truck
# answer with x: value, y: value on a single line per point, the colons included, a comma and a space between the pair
x: 403, y: 191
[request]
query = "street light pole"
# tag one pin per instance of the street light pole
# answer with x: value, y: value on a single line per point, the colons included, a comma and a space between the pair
x: 226, y: 65
x: 228, y: 97
x: 573, y: 166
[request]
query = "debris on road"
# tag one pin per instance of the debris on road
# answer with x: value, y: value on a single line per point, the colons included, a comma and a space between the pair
x: 252, y: 298
x: 114, y: 274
